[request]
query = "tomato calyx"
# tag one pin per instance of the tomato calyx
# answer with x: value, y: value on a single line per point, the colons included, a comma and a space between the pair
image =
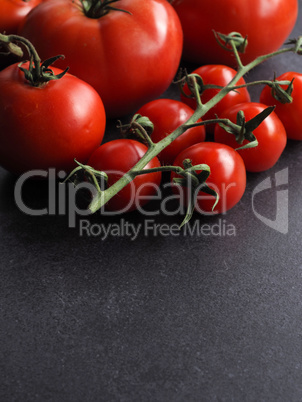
x: 98, y: 8
x: 243, y: 130
x: 280, y: 94
x: 195, y: 182
x: 195, y: 85
x: 231, y: 41
x: 140, y: 127
x: 37, y: 74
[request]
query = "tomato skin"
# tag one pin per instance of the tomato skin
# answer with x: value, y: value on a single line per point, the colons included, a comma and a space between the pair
x: 167, y: 115
x: 267, y: 24
x: 216, y: 75
x: 12, y: 15
x: 227, y: 178
x: 116, y: 158
x: 126, y: 73
x: 47, y: 127
x: 288, y: 113
x: 13, y: 12
x: 270, y: 134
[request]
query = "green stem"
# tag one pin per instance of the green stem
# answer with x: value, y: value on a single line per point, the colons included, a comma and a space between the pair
x: 154, y: 149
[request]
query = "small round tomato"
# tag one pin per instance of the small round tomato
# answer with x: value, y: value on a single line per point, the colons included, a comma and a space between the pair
x: 266, y: 23
x: 288, y: 113
x: 116, y: 158
x: 47, y: 126
x: 167, y: 115
x: 216, y: 75
x: 270, y: 134
x: 227, y: 176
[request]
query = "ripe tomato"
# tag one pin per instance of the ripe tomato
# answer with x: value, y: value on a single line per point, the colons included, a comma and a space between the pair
x: 270, y: 134
x: 288, y: 113
x: 47, y: 127
x: 267, y: 24
x: 116, y: 158
x: 216, y: 75
x: 129, y: 59
x: 166, y: 115
x: 227, y: 177
x: 12, y: 14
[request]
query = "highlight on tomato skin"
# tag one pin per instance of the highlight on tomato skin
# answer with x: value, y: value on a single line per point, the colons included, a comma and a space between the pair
x: 116, y: 158
x: 219, y: 75
x: 288, y: 113
x: 270, y: 134
x: 227, y: 176
x: 167, y: 115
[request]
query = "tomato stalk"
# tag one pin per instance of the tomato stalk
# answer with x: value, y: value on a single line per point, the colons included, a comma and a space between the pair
x: 102, y: 197
x: 99, y: 8
x: 38, y: 74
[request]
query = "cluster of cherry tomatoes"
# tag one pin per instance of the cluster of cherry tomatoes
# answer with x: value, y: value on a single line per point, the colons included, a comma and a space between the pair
x: 122, y: 55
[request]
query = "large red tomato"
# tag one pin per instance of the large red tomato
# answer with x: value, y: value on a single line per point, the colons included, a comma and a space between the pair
x: 48, y: 126
x: 288, y: 113
x: 130, y: 57
x: 267, y: 24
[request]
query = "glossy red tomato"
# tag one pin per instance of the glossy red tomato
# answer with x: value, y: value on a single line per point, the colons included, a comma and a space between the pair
x: 166, y: 115
x: 270, y: 134
x: 129, y: 59
x: 217, y: 75
x: 116, y: 158
x: 288, y: 113
x: 267, y: 24
x: 12, y: 14
x: 47, y: 127
x: 227, y: 177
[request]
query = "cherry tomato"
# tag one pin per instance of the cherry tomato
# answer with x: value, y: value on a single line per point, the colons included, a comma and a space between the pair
x: 48, y: 126
x: 116, y: 158
x: 216, y: 75
x: 129, y: 57
x: 288, y: 113
x: 227, y: 177
x: 270, y: 134
x: 166, y: 115
x: 267, y: 24
x: 12, y: 14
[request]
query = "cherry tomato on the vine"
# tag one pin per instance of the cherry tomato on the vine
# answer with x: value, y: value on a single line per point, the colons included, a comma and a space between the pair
x: 266, y: 23
x: 227, y: 177
x: 167, y: 115
x: 288, y: 113
x: 129, y: 54
x: 216, y: 75
x: 116, y: 158
x: 50, y: 125
x: 270, y: 134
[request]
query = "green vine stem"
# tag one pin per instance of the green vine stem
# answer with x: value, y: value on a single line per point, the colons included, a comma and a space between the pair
x: 102, y: 197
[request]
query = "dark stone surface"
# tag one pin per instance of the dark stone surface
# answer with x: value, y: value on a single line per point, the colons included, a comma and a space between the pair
x: 183, y: 317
